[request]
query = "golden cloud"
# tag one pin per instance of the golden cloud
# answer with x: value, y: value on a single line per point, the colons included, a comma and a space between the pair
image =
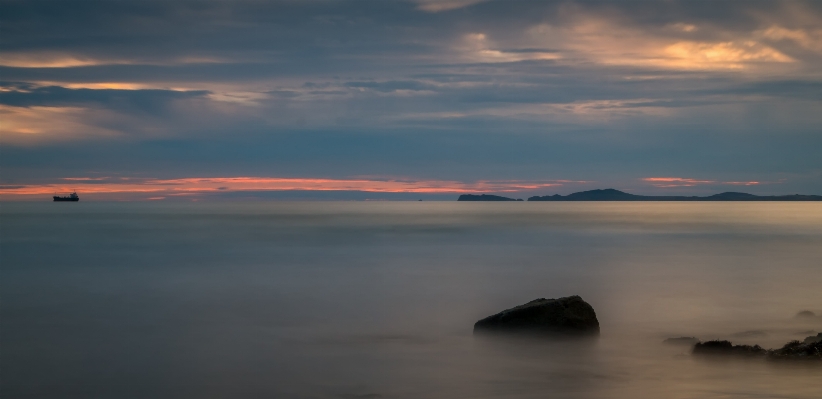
x: 29, y: 125
x: 605, y: 39
x: 706, y: 55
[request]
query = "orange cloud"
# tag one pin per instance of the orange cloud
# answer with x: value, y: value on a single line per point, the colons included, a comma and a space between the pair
x: 29, y: 125
x: 675, y: 181
x: 704, y: 55
x: 584, y: 35
x: 52, y: 59
x: 45, y: 60
x: 160, y: 188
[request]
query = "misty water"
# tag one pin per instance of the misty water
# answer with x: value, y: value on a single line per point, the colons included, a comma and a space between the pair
x: 378, y: 299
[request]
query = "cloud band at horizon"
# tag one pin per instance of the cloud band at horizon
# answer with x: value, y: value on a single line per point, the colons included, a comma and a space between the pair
x: 154, y: 188
x: 114, y: 188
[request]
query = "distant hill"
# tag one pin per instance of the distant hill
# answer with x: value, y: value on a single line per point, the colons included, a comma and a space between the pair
x: 484, y: 197
x: 610, y: 194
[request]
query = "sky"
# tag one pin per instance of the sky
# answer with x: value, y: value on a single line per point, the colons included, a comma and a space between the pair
x: 128, y: 100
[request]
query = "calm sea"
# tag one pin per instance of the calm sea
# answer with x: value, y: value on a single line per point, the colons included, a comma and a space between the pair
x: 378, y: 299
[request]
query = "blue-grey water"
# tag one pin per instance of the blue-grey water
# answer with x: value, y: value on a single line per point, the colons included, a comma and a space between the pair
x: 378, y: 300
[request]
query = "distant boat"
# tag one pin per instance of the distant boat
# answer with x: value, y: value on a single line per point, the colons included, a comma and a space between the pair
x: 71, y: 197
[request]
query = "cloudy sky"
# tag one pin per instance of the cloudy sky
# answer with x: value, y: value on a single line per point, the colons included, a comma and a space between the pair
x: 408, y: 99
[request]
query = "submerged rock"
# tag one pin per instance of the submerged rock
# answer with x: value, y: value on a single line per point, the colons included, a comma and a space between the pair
x: 569, y: 316
x: 689, y: 341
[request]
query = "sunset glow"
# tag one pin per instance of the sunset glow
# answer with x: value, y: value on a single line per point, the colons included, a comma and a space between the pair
x: 669, y: 182
x: 159, y: 188
x: 411, y: 96
x: 320, y: 198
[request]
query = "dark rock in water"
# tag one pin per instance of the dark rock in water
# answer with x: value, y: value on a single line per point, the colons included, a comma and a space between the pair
x: 689, y: 341
x: 796, y: 350
x: 727, y: 348
x: 813, y: 339
x: 805, y: 314
x: 569, y: 316
x: 793, y: 350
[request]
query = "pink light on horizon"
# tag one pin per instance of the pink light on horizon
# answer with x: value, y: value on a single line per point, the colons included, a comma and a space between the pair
x: 156, y: 188
x: 666, y: 182
x: 670, y: 182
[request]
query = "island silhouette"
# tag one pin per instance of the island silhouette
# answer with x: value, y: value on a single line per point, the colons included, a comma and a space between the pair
x: 485, y: 197
x: 610, y: 194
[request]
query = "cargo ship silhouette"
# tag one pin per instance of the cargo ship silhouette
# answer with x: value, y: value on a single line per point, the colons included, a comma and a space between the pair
x: 71, y: 197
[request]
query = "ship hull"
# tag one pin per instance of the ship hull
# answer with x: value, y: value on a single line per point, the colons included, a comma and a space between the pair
x: 61, y: 199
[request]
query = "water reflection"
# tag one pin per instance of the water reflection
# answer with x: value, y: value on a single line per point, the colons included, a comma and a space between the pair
x: 379, y: 300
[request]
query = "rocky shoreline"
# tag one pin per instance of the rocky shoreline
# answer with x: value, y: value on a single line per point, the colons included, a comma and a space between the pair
x: 573, y: 317
x: 810, y: 349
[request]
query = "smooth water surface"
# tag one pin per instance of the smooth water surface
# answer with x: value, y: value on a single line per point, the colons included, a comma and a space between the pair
x: 377, y: 300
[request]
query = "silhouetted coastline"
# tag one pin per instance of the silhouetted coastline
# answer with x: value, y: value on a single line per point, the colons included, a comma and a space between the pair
x: 810, y: 349
x: 484, y: 197
x: 610, y: 194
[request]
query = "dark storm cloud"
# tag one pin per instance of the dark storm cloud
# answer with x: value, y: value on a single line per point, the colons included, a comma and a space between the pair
x: 502, y: 89
x: 299, y: 36
x: 163, y: 32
